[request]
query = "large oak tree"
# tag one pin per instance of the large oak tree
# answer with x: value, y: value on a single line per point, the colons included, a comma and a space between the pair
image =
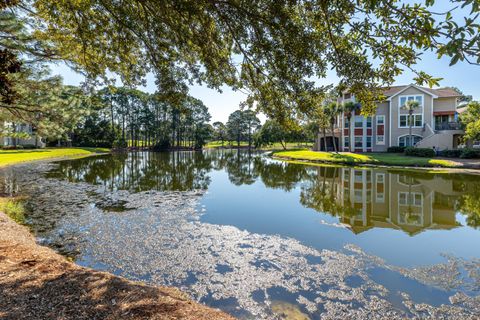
x: 271, y: 49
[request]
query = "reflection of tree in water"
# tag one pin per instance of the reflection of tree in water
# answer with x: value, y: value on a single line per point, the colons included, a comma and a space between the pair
x: 470, y: 207
x: 280, y: 175
x: 469, y: 203
x: 240, y: 167
x: 320, y: 190
x: 140, y: 171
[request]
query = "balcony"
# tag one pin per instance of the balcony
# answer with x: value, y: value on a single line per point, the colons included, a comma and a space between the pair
x: 442, y: 126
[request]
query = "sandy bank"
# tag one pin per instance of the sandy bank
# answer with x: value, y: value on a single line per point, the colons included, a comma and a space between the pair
x: 37, y: 283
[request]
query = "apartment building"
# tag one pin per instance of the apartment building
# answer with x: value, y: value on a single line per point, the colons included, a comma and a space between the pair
x: 435, y: 122
x: 28, y: 137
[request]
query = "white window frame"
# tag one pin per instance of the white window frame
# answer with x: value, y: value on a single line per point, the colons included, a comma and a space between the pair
x: 422, y: 108
x: 380, y: 143
x: 380, y: 117
x: 406, y: 136
x: 371, y: 122
x: 414, y: 115
x: 355, y: 142
x: 412, y: 196
x: 355, y: 121
x: 379, y: 196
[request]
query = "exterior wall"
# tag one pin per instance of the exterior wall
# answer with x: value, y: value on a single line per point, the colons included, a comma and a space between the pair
x: 384, y: 110
x: 445, y: 104
x: 427, y: 112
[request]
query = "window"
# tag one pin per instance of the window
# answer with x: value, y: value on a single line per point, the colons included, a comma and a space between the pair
x: 404, y: 141
x: 346, y: 142
x: 381, y: 197
x: 369, y: 176
x: 410, y: 199
x: 358, y: 176
x: 369, y: 142
x: 408, y: 180
x: 380, y: 177
x: 404, y: 99
x: 358, y: 122
x: 379, y: 190
x: 380, y: 140
x: 417, y: 116
x: 402, y: 198
x: 347, y: 122
x: 380, y: 120
x: 358, y: 142
x: 417, y: 120
x: 358, y: 196
x: 417, y: 199
x: 369, y: 122
x: 347, y: 96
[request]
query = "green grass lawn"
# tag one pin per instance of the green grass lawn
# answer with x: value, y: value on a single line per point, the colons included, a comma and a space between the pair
x: 226, y: 144
x: 9, y: 157
x: 394, y: 159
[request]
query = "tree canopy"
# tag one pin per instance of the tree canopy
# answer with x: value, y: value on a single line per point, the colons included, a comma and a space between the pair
x: 271, y: 49
x: 471, y: 119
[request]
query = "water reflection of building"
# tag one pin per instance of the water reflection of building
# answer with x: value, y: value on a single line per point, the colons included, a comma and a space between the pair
x: 381, y: 199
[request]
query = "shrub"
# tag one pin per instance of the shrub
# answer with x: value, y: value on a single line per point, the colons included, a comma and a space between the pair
x: 451, y: 153
x: 12, y: 147
x: 469, y: 153
x: 419, y: 152
x: 29, y: 146
x: 396, y: 149
x: 14, y: 209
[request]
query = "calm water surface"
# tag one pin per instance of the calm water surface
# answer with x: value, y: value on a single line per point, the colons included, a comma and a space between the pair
x: 266, y: 239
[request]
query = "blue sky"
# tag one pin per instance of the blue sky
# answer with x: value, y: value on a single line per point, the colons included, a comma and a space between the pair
x: 462, y: 75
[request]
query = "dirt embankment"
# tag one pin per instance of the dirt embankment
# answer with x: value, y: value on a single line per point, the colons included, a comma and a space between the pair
x: 37, y: 283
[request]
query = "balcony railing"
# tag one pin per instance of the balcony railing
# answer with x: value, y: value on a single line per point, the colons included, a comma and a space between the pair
x: 448, y: 126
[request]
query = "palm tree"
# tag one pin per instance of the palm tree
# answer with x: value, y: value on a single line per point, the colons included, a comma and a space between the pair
x: 410, y: 106
x: 332, y: 110
x: 350, y: 108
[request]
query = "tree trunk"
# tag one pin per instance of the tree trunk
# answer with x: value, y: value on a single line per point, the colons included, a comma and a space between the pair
x: 14, y: 135
x: 410, y: 129
x: 333, y: 139
x: 324, y: 140
x: 111, y: 116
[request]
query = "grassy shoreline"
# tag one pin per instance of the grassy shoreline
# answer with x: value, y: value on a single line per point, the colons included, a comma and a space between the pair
x: 11, y: 157
x: 243, y: 144
x: 382, y: 159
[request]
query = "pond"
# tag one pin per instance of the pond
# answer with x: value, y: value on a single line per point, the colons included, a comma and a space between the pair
x: 264, y: 239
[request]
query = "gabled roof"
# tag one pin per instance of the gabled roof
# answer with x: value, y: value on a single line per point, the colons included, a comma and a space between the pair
x: 436, y: 93
x: 403, y: 88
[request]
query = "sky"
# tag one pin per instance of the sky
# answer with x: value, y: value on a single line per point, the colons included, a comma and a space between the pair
x: 462, y: 75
